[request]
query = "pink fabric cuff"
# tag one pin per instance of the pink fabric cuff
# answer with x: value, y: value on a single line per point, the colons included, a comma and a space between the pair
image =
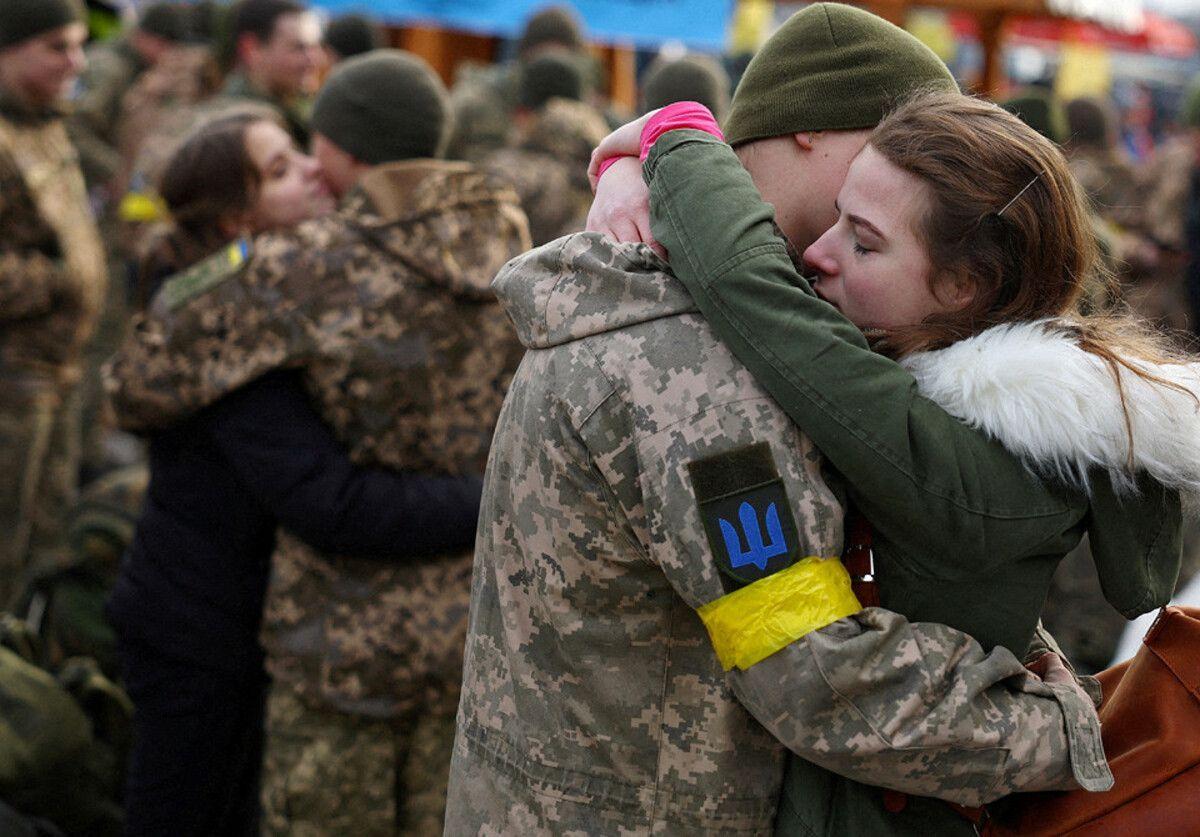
x: 676, y: 117
x: 607, y: 164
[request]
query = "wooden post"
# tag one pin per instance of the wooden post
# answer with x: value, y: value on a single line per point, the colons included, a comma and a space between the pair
x: 619, y: 64
x: 893, y: 11
x: 991, y: 25
x: 445, y: 49
x: 623, y: 90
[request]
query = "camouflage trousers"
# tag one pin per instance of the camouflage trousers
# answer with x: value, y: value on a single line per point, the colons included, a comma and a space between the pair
x: 39, y: 475
x: 327, y: 772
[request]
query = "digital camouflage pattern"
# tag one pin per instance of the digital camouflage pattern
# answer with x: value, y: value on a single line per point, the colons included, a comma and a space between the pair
x: 548, y: 167
x: 387, y: 307
x: 52, y: 285
x: 592, y: 699
x: 332, y: 773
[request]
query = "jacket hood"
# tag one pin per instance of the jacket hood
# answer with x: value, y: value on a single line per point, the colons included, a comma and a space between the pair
x: 449, y: 222
x: 586, y: 284
x: 1032, y: 388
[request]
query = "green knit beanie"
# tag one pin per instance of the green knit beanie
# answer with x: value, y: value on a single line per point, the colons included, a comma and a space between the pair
x: 382, y: 106
x: 552, y: 75
x: 557, y: 25
x: 830, y: 67
x: 1039, y: 110
x: 21, y: 20
x: 692, y: 78
x: 352, y: 35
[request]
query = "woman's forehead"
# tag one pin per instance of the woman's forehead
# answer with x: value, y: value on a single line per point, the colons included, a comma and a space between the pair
x: 882, y: 194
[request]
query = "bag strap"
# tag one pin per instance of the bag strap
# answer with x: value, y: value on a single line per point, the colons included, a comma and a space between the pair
x: 859, y: 558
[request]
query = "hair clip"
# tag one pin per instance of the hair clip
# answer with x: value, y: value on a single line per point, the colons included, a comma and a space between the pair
x: 1018, y: 195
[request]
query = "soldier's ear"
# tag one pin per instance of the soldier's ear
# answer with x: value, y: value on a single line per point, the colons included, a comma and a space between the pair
x: 805, y: 139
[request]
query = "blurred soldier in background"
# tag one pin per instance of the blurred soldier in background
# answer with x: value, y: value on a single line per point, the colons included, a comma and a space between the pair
x: 387, y: 306
x: 484, y: 98
x: 554, y: 137
x: 112, y: 68
x: 52, y: 281
x: 277, y: 59
x: 351, y: 35
x: 691, y: 78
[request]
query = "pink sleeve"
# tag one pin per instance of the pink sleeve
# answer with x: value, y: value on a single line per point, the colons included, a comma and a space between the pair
x: 607, y: 164
x: 676, y: 117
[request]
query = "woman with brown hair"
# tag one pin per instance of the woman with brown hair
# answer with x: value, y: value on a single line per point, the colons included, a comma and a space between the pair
x: 977, y: 420
x: 188, y: 600
x: 238, y: 174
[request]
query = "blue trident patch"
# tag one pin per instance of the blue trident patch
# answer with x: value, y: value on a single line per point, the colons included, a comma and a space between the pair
x: 756, y: 552
x: 746, y: 514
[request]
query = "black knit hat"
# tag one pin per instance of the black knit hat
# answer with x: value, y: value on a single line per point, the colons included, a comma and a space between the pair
x: 830, y: 67
x: 555, y: 25
x: 21, y: 20
x: 169, y: 21
x: 551, y: 75
x: 383, y: 106
x: 692, y: 78
x: 352, y: 35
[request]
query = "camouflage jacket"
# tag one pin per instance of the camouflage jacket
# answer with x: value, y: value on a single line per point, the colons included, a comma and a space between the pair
x: 112, y: 69
x: 483, y: 100
x: 158, y: 108
x: 592, y: 698
x: 387, y: 307
x: 52, y: 273
x: 548, y: 168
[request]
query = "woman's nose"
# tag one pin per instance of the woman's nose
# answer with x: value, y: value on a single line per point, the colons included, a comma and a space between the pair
x: 818, y: 257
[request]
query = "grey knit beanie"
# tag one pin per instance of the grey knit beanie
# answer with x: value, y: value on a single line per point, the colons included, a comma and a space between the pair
x: 21, y: 20
x: 382, y: 106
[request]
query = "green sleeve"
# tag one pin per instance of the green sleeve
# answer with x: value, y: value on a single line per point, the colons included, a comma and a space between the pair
x: 922, y: 477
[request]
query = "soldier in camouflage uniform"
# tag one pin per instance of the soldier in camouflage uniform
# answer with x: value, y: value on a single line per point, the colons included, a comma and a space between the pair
x: 484, y: 99
x: 387, y: 306
x: 277, y: 46
x: 556, y: 132
x: 113, y: 67
x: 52, y: 281
x: 608, y: 570
x: 592, y: 699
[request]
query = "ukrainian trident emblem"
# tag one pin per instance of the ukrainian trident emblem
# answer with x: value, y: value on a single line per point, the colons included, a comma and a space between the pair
x: 757, y: 551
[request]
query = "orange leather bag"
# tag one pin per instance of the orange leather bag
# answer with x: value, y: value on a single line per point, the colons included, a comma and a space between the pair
x: 1150, y: 718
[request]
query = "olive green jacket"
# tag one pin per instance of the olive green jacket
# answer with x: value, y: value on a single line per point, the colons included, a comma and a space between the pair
x: 966, y: 533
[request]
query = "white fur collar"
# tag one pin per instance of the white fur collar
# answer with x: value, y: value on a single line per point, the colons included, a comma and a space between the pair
x: 1032, y: 388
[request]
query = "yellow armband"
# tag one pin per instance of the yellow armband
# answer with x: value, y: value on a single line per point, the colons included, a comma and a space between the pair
x: 750, y: 624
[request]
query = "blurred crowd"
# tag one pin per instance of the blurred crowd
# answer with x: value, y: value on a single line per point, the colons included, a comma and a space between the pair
x: 125, y: 165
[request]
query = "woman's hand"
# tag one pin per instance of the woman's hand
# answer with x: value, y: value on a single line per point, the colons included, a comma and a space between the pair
x: 621, y: 209
x: 626, y: 140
